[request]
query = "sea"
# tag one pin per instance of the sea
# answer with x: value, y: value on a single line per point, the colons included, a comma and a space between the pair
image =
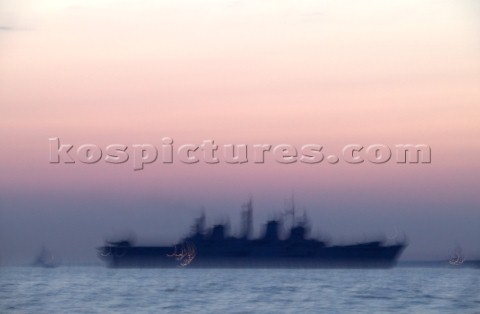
x: 189, y: 290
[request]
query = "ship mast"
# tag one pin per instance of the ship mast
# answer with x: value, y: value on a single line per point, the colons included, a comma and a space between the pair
x: 247, y: 219
x: 290, y: 210
x: 199, y: 225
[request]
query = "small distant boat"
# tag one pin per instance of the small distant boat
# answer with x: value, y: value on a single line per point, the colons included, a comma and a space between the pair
x: 458, y: 258
x: 45, y: 259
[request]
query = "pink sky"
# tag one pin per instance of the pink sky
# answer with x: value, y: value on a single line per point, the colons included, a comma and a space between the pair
x: 330, y: 73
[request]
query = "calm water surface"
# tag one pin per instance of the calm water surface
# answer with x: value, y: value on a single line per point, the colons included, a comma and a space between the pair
x: 103, y: 290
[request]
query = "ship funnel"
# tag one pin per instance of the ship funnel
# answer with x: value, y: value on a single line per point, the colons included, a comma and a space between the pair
x: 271, y: 231
x: 218, y: 232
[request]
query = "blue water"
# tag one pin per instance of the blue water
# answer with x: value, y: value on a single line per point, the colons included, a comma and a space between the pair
x: 103, y: 290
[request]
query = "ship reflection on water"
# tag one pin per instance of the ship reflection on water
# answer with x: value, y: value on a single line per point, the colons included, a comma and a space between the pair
x: 215, y: 248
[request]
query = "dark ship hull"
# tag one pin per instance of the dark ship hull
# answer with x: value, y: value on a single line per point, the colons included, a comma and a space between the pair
x: 368, y: 255
x: 215, y: 249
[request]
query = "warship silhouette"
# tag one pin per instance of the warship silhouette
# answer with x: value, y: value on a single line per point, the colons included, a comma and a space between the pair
x: 214, y: 248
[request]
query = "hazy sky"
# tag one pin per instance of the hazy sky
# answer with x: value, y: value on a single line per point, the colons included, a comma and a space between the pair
x: 297, y: 72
